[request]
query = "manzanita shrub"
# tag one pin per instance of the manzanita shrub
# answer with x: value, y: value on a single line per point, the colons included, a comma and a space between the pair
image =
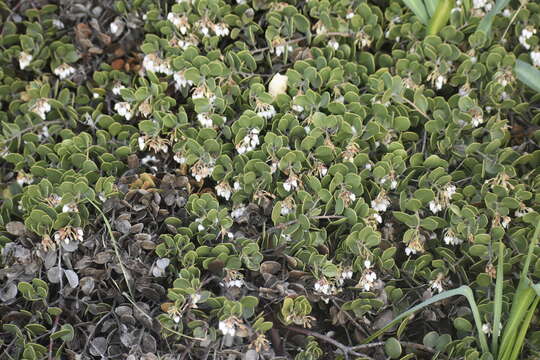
x: 259, y: 179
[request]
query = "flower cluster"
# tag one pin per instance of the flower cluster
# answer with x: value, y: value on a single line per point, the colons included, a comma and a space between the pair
x: 68, y: 234
x: 41, y: 108
x: 64, y: 71
x: 249, y: 142
x: 123, y: 109
x: 442, y: 200
x: 526, y: 34
x: 381, y: 202
x: 368, y: 278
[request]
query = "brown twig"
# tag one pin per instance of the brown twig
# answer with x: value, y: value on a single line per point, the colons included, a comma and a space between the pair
x: 51, y: 341
x: 347, y: 350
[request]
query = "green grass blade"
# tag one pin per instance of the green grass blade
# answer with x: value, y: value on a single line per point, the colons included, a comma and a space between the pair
x: 528, y: 75
x: 463, y: 291
x: 522, y: 300
x: 498, y: 301
x: 419, y: 9
x: 523, y: 331
x: 536, y: 235
x: 431, y: 6
x: 524, y: 296
x: 440, y: 17
x: 487, y: 21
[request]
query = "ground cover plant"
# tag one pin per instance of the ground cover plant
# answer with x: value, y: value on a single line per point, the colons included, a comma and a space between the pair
x: 253, y: 179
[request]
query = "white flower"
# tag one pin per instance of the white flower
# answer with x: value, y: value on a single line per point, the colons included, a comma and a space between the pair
x: 24, y: 60
x: 377, y: 218
x: 152, y: 62
x: 117, y: 26
x: 381, y: 202
x: 526, y: 34
x: 68, y: 234
x: 249, y: 142
x: 333, y: 44
x: 123, y: 109
x: 349, y: 15
x: 142, y: 143
x: 180, y: 22
x: 237, y: 186
x: 437, y: 284
x: 148, y: 159
x: 367, y: 281
x: 221, y: 29
x: 181, y: 81
x: 265, y: 111
x: 477, y: 120
x: 435, y: 206
x: 224, y: 190
x: 477, y: 4
x: 205, y: 120
x: 23, y: 178
x: 291, y: 183
x: 58, y: 24
x: 63, y: 71
x: 41, y: 108
x: 486, y: 328
x: 280, y: 49
x: 393, y: 184
x: 535, y: 57
x: 451, y: 239
x: 440, y: 81
x: 324, y: 287
x: 228, y: 326
x: 238, y: 212
x: 278, y: 85
x: 70, y: 207
x: 202, y: 169
x: 117, y: 87
x: 286, y: 208
x: 200, y: 227
x: 297, y: 108
x: 506, y: 221
x: 507, y: 13
x: 409, y: 251
x: 449, y: 191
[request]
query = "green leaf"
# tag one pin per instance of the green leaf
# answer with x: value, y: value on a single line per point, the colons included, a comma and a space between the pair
x: 392, y: 348
x: 528, y: 75
x: 440, y: 17
x: 419, y: 9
